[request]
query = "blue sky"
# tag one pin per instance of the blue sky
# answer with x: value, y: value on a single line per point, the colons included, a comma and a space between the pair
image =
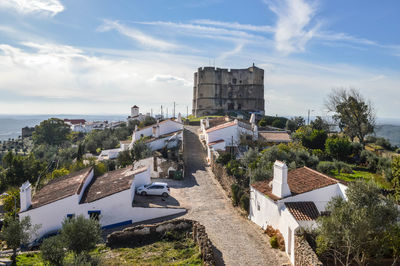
x: 101, y: 57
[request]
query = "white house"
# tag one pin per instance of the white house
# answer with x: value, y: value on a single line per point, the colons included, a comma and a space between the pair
x: 166, y: 133
x: 109, y: 154
x: 135, y: 115
x: 226, y: 134
x: 108, y: 198
x: 292, y: 200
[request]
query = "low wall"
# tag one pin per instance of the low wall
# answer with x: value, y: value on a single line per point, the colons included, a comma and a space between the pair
x: 221, y: 175
x: 304, y: 255
x: 138, y: 235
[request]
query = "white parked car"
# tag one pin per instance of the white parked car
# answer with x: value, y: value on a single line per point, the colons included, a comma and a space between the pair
x: 156, y: 188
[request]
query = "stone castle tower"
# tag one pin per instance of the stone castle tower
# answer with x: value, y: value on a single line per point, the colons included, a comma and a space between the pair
x: 219, y: 90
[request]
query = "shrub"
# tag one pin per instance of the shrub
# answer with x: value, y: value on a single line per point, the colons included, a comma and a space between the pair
x: 53, y: 251
x: 234, y: 168
x: 236, y: 193
x: 80, y: 234
x: 224, y: 158
x: 274, y: 241
x: 245, y: 202
x: 326, y: 167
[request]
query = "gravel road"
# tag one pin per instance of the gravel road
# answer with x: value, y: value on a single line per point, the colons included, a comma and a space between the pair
x: 238, y: 241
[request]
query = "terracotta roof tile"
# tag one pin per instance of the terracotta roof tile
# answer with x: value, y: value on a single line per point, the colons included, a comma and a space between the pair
x: 275, y: 136
x: 110, y: 183
x: 303, y: 210
x: 215, y: 142
x: 300, y: 180
x: 60, y: 188
x: 229, y: 124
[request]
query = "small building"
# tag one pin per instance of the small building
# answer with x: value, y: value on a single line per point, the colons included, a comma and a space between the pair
x: 108, y: 198
x: 226, y: 135
x: 135, y: 115
x: 292, y: 200
x: 274, y: 137
x: 167, y: 133
x: 109, y: 154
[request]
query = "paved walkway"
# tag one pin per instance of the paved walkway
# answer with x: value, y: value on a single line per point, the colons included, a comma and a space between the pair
x: 238, y: 241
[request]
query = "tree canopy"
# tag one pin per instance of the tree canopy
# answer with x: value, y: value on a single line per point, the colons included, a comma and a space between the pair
x: 354, y: 115
x: 51, y: 132
x: 357, y: 229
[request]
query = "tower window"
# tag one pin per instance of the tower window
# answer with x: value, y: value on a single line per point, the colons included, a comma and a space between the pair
x: 234, y: 81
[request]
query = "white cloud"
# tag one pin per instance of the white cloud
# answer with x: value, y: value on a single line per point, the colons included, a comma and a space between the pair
x: 48, y: 7
x: 235, y: 25
x: 171, y: 79
x: 136, y: 35
x: 294, y: 25
x: 238, y: 48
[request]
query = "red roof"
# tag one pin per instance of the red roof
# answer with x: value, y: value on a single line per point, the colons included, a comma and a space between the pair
x: 300, y: 180
x: 229, y: 124
x: 303, y: 210
x: 215, y: 142
x: 75, y: 121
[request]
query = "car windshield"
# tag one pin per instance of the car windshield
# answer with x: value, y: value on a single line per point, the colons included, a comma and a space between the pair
x: 146, y: 186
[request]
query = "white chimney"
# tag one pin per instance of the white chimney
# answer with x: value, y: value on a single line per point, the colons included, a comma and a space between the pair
x: 252, y: 119
x: 179, y: 118
x: 280, y: 187
x: 25, y: 196
x: 207, y: 123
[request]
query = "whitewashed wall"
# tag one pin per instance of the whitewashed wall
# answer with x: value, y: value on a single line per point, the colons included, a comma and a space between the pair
x: 160, y: 143
x: 225, y: 134
x: 115, y: 209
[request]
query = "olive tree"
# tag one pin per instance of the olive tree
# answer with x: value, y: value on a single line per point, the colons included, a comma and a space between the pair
x: 17, y: 232
x: 80, y: 235
x: 354, y: 114
x: 356, y: 229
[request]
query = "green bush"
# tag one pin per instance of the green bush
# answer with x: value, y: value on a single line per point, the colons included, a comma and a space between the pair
x: 326, y: 167
x: 236, y: 193
x: 224, y: 158
x: 80, y: 235
x: 245, y: 202
x: 274, y: 242
x: 53, y: 251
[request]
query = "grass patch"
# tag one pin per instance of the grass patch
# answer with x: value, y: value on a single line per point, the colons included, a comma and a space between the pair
x: 176, y: 249
x: 30, y: 259
x: 165, y: 252
x: 379, y: 179
x: 195, y: 119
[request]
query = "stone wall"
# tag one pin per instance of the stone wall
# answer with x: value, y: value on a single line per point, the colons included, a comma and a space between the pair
x: 304, y: 255
x: 225, y: 180
x: 141, y: 234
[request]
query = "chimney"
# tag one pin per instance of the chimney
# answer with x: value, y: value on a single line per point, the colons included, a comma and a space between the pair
x: 207, y: 122
x: 179, y: 118
x: 255, y: 132
x: 280, y: 187
x: 253, y: 119
x: 25, y: 196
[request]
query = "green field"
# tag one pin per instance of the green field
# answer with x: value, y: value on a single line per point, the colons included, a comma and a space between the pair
x: 357, y: 174
x: 195, y: 119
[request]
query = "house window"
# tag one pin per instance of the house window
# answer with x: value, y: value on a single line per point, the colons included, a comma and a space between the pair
x: 70, y: 216
x: 94, y: 215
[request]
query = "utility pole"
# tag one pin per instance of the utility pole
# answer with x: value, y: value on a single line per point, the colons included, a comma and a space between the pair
x: 174, y: 109
x: 308, y: 117
x: 151, y: 112
x: 161, y: 113
x: 187, y: 111
x: 166, y: 113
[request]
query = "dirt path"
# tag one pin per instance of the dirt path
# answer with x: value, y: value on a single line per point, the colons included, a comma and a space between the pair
x: 238, y: 240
